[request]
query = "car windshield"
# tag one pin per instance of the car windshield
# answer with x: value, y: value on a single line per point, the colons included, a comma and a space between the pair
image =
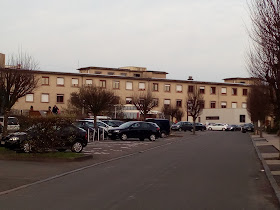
x: 126, y: 125
x: 12, y: 121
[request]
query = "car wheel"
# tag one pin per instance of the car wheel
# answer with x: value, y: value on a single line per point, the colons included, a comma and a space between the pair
x: 163, y: 135
x: 124, y: 137
x: 26, y: 147
x: 180, y: 129
x: 210, y: 129
x: 223, y: 129
x: 152, y: 137
x: 77, y: 147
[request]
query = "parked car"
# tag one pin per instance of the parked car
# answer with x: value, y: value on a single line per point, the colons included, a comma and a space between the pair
x: 100, y: 124
x: 89, y: 127
x: 164, y: 125
x: 200, y: 127
x: 216, y: 127
x: 21, y: 140
x: 13, y: 123
x: 247, y: 127
x: 113, y: 123
x: 135, y: 129
x: 233, y: 128
x: 182, y: 126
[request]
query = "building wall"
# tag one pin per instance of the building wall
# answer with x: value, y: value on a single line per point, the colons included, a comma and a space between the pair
x: 230, y: 116
x: 2, y: 60
x: 227, y: 115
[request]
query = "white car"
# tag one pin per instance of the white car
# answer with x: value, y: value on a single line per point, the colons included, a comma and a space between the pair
x: 217, y: 127
x: 100, y: 124
x: 13, y: 124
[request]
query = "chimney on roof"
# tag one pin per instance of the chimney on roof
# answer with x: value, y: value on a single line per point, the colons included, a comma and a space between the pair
x: 190, y: 78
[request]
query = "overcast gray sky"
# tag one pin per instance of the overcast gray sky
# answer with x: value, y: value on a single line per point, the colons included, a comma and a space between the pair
x: 206, y: 39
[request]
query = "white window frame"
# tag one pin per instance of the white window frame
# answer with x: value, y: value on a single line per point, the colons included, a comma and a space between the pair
x: 60, y: 95
x: 244, y: 105
x: 179, y: 88
x: 102, y: 83
x: 116, y: 84
x: 224, y: 90
x: 29, y: 97
x: 45, y: 80
x: 167, y: 102
x: 89, y: 82
x: 141, y: 85
x: 75, y: 82
x: 202, y: 88
x: 129, y: 85
x: 60, y: 81
x: 165, y: 87
x: 45, y: 98
x: 223, y: 104
x: 233, y: 105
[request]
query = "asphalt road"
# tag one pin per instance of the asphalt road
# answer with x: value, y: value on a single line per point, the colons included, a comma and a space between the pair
x: 214, y: 170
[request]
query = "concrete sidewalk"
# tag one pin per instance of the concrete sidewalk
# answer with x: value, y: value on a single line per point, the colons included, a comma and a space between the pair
x: 268, y: 139
x: 268, y: 149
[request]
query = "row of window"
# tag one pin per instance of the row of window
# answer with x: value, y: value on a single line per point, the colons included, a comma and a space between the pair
x: 142, y: 86
x: 224, y: 105
x: 179, y: 103
x: 60, y: 81
x: 45, y: 98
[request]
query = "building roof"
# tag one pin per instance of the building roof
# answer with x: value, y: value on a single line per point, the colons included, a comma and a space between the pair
x: 245, y: 78
x: 136, y: 78
x: 119, y: 69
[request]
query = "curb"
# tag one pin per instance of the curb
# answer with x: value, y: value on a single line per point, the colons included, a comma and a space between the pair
x: 270, y: 177
x: 47, y: 159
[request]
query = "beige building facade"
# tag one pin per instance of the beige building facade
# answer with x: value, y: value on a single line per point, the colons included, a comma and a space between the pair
x: 2, y: 60
x: 224, y: 102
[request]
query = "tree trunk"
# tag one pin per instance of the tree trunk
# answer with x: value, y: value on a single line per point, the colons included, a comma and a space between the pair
x: 255, y: 127
x: 5, y: 127
x: 194, y: 126
x: 261, y: 129
x: 95, y: 124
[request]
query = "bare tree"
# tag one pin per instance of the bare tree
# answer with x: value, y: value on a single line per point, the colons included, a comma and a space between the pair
x: 93, y: 99
x: 264, y: 54
x: 179, y: 114
x: 172, y: 111
x: 194, y: 105
x: 258, y: 105
x: 144, y: 102
x: 16, y: 81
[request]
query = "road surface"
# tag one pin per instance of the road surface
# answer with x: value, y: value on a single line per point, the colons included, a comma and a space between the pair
x: 212, y: 170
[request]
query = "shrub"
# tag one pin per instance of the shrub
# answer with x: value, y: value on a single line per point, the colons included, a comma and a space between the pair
x: 43, y: 133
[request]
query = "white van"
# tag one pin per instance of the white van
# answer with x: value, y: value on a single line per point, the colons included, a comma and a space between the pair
x: 13, y: 124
